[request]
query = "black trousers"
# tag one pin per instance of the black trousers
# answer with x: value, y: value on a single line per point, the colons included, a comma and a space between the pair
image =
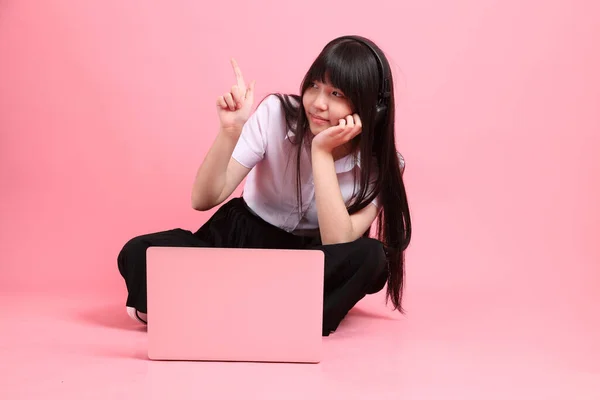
x: 352, y: 270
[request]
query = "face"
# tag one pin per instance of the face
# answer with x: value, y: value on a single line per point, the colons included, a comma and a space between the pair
x: 325, y: 105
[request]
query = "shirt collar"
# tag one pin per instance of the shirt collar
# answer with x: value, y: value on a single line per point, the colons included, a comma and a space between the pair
x: 346, y: 164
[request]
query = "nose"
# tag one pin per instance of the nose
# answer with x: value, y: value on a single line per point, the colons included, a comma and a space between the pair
x: 320, y: 101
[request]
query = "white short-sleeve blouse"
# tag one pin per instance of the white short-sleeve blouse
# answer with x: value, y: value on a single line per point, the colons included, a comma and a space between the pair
x: 270, y: 188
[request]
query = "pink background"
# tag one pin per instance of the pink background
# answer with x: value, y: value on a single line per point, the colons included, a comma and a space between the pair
x: 107, y: 109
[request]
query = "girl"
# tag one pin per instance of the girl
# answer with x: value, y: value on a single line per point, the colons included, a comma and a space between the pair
x: 320, y: 168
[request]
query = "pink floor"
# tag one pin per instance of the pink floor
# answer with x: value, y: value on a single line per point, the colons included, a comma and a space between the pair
x: 75, y: 346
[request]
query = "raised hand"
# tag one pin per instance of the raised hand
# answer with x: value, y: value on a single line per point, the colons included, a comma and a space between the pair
x: 337, y: 135
x: 234, y: 107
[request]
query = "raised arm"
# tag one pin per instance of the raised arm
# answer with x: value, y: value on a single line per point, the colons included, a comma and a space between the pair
x: 219, y: 174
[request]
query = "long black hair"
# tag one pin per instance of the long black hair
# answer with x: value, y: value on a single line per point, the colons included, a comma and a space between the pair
x: 350, y: 66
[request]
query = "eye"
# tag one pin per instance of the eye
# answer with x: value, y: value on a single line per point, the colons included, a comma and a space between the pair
x: 337, y: 93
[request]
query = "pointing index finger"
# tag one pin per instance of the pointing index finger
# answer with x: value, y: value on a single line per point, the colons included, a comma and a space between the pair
x: 238, y: 74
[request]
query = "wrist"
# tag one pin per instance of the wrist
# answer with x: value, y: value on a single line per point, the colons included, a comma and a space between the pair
x: 318, y: 149
x: 320, y: 156
x: 232, y: 132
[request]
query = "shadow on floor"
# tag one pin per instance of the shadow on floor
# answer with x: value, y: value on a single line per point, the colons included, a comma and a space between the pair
x: 110, y: 316
x: 114, y: 316
x: 361, y: 311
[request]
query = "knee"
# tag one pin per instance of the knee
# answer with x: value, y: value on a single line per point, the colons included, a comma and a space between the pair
x: 131, y: 246
x: 373, y: 256
x: 373, y: 264
x: 373, y: 248
x: 133, y: 250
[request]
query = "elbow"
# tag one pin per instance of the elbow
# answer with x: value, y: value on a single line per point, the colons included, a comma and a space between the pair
x: 338, y: 236
x: 199, y: 205
x: 337, y: 239
x: 198, y: 208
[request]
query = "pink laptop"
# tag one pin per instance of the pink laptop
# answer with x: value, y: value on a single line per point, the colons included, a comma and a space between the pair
x: 215, y: 304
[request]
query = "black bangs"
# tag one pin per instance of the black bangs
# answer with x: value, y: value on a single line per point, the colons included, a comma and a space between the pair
x: 348, y: 66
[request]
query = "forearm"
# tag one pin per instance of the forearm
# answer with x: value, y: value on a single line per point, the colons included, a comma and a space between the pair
x: 335, y: 224
x: 212, y: 173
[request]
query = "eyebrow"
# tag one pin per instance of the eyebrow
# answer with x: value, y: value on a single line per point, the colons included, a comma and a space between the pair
x: 329, y: 84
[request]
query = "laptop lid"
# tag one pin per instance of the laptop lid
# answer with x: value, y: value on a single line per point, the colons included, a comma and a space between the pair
x: 217, y: 304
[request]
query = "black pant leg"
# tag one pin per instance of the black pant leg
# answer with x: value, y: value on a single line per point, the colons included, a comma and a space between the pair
x: 352, y: 270
x: 132, y: 261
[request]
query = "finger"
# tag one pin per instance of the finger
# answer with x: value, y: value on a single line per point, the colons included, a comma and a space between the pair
x: 354, y: 132
x: 357, y: 120
x: 350, y: 121
x: 339, y: 129
x: 238, y: 74
x: 229, y: 100
x: 221, y: 102
x: 356, y: 125
x: 250, y: 91
x: 238, y: 96
x: 333, y: 131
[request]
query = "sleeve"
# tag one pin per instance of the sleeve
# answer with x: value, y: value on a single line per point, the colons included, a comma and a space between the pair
x: 402, y: 163
x: 252, y: 144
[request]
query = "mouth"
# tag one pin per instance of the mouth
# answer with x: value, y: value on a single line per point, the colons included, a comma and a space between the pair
x: 317, y: 120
